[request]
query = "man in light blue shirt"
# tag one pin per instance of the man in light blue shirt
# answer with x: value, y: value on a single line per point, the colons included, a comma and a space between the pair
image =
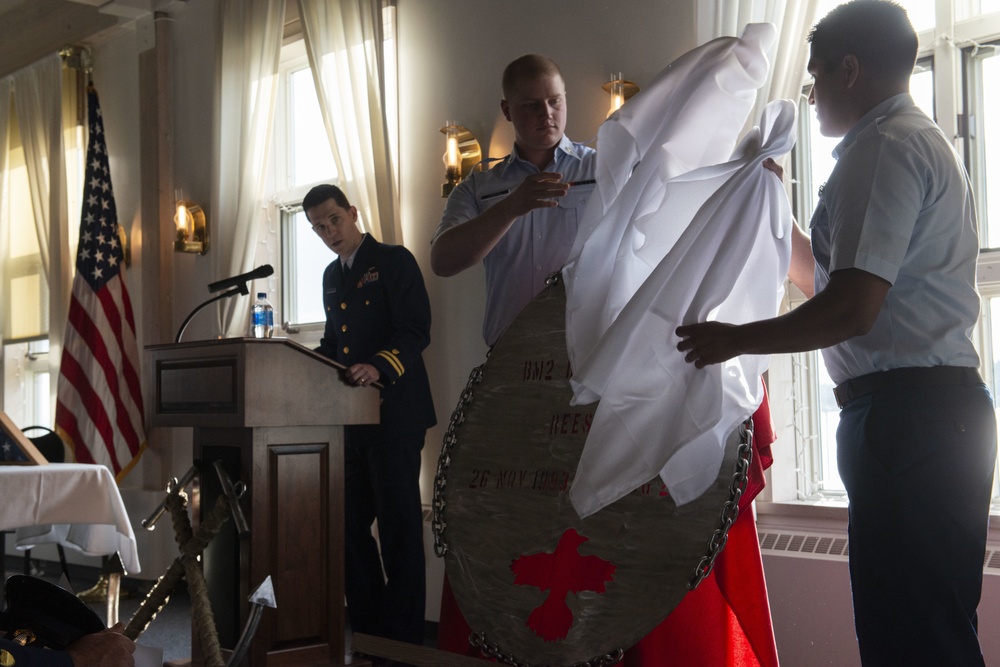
x: 895, y: 242
x: 519, y: 218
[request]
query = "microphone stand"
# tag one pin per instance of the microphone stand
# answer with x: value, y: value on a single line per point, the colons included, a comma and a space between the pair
x: 240, y: 289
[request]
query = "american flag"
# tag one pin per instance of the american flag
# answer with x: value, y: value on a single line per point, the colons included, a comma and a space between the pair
x: 99, y: 411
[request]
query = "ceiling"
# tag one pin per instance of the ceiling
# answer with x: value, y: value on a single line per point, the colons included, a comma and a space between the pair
x: 31, y: 29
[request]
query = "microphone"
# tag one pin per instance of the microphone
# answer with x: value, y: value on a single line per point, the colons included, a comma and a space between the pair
x: 241, y: 280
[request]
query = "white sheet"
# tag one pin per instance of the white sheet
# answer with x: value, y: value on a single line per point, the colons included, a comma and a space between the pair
x: 684, y: 226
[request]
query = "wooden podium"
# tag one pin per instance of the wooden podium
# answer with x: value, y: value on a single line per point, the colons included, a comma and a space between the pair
x: 273, y: 412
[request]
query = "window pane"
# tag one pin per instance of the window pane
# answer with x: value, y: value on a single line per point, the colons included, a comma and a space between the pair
x: 992, y: 375
x: 921, y: 12
x: 306, y: 257
x: 989, y: 130
x: 922, y: 89
x: 26, y: 383
x: 972, y: 8
x: 24, y: 297
x: 312, y: 159
x: 829, y: 419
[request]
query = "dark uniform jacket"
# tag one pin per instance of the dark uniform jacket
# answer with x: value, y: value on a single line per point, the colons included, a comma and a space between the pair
x: 379, y: 314
x: 12, y: 653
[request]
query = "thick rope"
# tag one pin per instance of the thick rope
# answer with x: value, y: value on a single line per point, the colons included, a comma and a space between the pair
x: 191, y: 545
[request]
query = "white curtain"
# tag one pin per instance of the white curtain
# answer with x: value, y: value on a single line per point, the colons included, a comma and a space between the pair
x: 344, y: 39
x: 38, y: 104
x: 249, y: 48
x: 5, y: 87
x: 789, y: 53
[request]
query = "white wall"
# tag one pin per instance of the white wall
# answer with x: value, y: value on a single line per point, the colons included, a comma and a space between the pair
x: 813, y: 617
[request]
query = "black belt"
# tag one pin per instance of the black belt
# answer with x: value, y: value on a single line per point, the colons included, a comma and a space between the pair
x: 930, y: 376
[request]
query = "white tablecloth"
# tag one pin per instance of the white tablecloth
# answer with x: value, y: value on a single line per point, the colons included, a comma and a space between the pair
x: 74, y: 504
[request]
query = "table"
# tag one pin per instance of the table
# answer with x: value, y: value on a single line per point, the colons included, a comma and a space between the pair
x: 74, y: 504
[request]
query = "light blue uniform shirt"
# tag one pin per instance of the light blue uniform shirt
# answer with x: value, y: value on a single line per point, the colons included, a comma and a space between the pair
x: 898, y: 205
x: 537, y: 244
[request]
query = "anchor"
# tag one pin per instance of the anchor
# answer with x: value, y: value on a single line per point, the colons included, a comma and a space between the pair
x: 186, y: 566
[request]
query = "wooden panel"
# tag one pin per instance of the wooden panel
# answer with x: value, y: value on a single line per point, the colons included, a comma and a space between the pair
x: 299, y: 506
x: 275, y: 382
x: 295, y: 510
x: 300, y: 533
x: 197, y: 387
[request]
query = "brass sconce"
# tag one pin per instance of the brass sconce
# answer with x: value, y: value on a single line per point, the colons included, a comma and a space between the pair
x: 620, y: 91
x: 461, y: 154
x: 192, y: 228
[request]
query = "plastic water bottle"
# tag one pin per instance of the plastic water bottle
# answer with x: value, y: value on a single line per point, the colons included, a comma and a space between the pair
x: 262, y: 317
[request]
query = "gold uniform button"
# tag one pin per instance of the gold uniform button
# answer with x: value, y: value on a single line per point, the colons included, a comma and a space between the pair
x: 6, y: 659
x: 343, y: 327
x: 343, y: 305
x: 346, y: 349
x: 367, y: 302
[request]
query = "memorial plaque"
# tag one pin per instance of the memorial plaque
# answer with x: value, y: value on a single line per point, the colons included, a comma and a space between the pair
x: 540, y: 584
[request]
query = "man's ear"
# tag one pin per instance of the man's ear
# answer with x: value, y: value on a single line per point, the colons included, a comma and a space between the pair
x: 505, y: 108
x: 851, y: 69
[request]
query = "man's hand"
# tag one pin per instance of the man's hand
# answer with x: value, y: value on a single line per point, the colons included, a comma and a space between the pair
x: 108, y: 648
x: 773, y: 166
x: 539, y: 190
x: 361, y: 374
x: 468, y: 243
x: 708, y: 342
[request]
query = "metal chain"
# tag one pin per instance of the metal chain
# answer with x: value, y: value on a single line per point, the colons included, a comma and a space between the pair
x: 492, y: 650
x: 731, y: 509
x: 438, y: 522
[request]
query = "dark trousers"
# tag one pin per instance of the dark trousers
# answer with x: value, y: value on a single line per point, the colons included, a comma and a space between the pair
x: 918, y: 465
x: 382, y: 481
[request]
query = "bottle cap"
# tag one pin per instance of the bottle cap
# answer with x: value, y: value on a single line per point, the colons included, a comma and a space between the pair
x: 261, y: 295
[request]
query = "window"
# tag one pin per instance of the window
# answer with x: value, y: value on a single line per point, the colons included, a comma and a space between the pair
x: 24, y: 293
x: 814, y: 412
x: 301, y: 158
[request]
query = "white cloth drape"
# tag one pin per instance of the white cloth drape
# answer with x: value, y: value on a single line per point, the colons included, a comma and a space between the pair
x: 250, y: 45
x: 683, y: 226
x: 344, y: 40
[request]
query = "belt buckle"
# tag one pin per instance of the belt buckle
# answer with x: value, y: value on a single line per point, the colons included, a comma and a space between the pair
x: 841, y: 395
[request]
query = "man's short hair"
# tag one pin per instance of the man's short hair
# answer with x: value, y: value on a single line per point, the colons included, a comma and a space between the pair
x: 321, y: 193
x: 877, y: 32
x: 528, y: 67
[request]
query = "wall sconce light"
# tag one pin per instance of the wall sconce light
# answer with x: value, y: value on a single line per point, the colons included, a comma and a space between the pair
x: 192, y: 228
x: 620, y: 91
x: 461, y: 154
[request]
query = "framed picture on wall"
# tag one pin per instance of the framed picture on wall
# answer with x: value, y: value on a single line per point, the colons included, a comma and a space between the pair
x: 15, y: 448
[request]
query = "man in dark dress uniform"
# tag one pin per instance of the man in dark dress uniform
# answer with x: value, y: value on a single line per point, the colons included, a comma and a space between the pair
x: 378, y: 322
